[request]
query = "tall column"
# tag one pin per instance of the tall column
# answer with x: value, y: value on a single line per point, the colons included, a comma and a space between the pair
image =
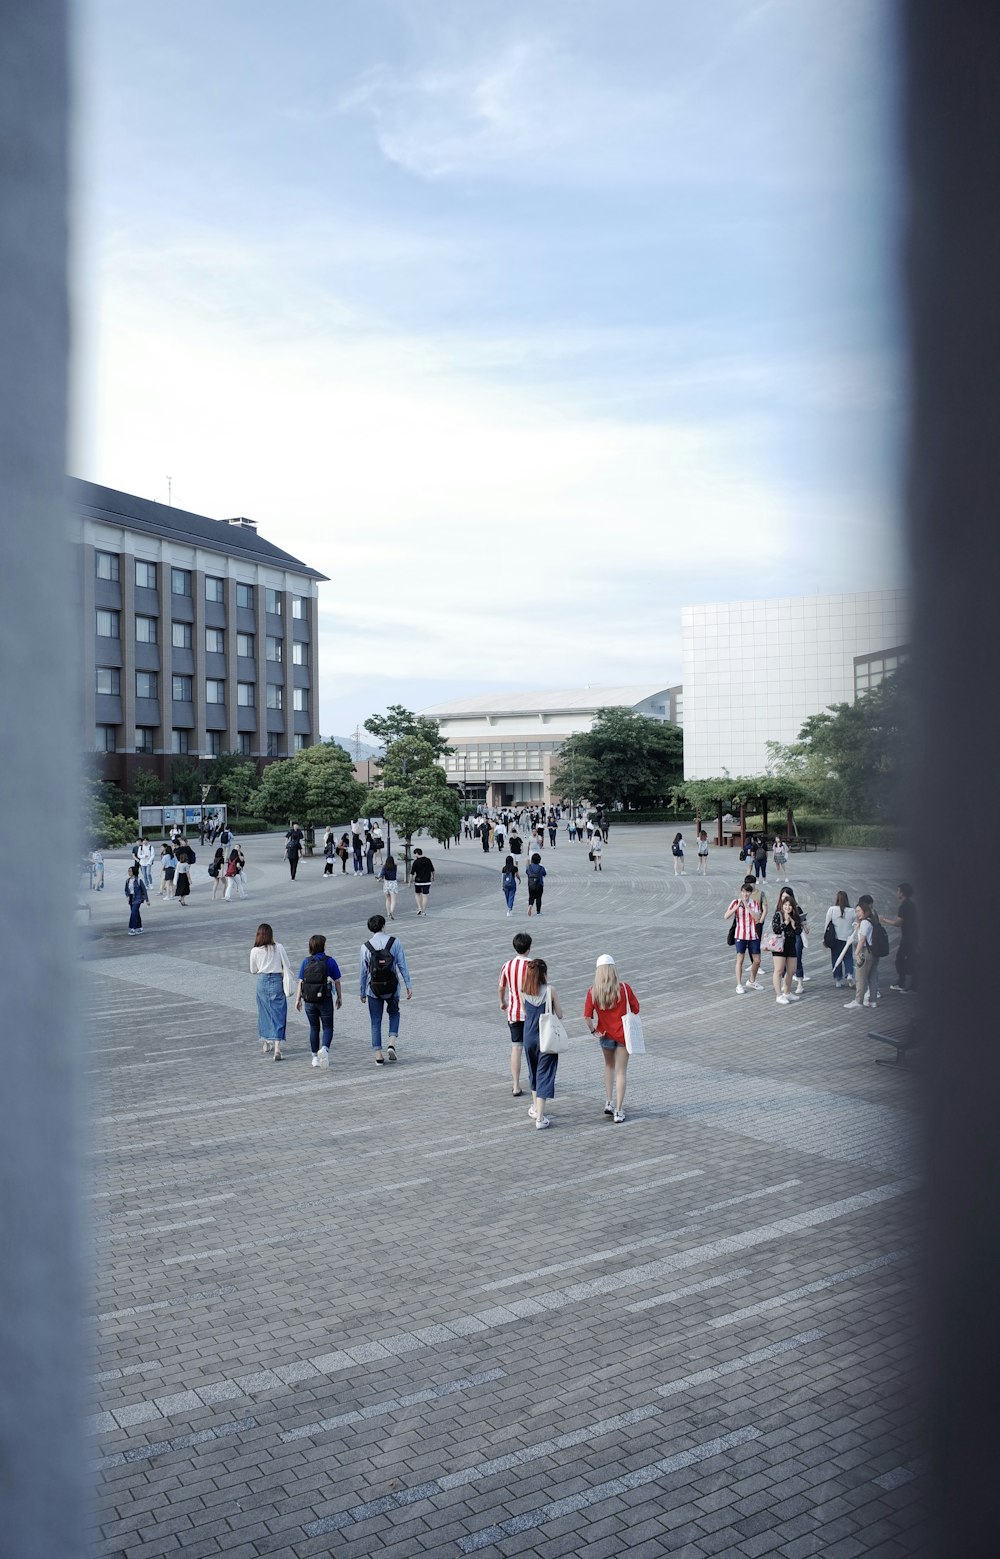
x: 43, y: 1455
x: 313, y: 699
x: 260, y: 644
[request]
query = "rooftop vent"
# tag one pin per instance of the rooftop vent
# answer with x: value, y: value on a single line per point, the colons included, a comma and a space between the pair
x: 241, y: 519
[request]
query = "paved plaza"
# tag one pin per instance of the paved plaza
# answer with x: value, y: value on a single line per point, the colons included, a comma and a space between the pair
x: 371, y: 1310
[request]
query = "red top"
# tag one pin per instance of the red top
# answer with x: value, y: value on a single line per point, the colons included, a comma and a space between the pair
x: 609, y: 1020
x: 510, y: 987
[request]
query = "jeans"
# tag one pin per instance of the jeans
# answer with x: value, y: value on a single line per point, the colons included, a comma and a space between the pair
x: 510, y: 894
x: 375, y: 1006
x: 147, y: 875
x: 135, y: 918
x: 319, y: 1013
x: 760, y: 869
x: 798, y: 956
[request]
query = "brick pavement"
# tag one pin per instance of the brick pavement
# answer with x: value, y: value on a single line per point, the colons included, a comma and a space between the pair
x: 372, y: 1311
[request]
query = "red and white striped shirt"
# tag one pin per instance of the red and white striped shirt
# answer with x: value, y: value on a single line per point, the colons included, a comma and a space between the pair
x: 747, y: 926
x: 510, y: 987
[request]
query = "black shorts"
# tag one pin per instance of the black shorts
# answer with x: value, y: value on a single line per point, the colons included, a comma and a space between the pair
x: 516, y: 1032
x: 421, y: 887
x: 534, y: 895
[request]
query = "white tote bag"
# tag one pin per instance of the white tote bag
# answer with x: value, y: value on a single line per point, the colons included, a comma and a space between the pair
x: 552, y: 1037
x: 635, y: 1044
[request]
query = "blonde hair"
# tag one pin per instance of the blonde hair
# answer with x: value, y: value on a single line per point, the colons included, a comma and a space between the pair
x: 606, y: 988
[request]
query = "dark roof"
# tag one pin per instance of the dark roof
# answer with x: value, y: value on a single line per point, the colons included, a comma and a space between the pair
x: 158, y: 519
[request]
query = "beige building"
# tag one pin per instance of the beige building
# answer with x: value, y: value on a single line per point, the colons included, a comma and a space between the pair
x: 505, y: 745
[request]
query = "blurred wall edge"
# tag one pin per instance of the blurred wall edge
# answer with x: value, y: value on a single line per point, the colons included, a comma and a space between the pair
x: 952, y: 135
x: 42, y: 1460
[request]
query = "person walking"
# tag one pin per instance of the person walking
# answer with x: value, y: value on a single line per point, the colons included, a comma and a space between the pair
x: 319, y: 978
x: 702, y: 854
x: 137, y: 895
x: 536, y: 884
x: 329, y: 852
x: 677, y: 851
x: 553, y: 828
x: 182, y: 879
x: 571, y: 828
x: 146, y: 857
x: 542, y: 1065
x: 238, y: 878
x: 217, y: 872
x: 510, y: 879
x: 293, y: 848
x: 390, y: 886
x: 383, y: 965
x: 908, y: 951
x: 269, y: 962
x: 608, y: 999
x: 369, y: 853
x: 838, y: 931
x: 596, y: 852
x: 509, y: 990
x: 168, y: 869
x: 786, y: 927
x: 748, y: 917
x: 779, y: 855
x: 422, y: 874
x: 378, y: 846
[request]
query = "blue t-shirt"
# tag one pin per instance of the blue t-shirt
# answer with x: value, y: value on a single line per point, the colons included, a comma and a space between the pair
x: 331, y: 967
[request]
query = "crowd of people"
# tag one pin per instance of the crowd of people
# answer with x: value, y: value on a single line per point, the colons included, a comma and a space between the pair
x: 855, y: 936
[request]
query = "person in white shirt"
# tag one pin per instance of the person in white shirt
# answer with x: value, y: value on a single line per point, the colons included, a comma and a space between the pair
x: 269, y: 962
x: 840, y: 916
x: 146, y: 855
x: 703, y: 854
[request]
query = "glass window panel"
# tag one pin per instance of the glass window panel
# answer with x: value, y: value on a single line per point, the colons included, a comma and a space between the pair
x: 107, y: 566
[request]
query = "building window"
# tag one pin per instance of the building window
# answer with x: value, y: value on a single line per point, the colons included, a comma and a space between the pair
x: 215, y: 691
x: 180, y: 581
x: 180, y: 741
x: 145, y: 630
x: 214, y: 741
x: 109, y: 679
x: 246, y: 695
x: 244, y: 744
x: 180, y: 636
x: 300, y: 653
x: 301, y: 742
x: 300, y: 699
x: 107, y: 738
x: 273, y: 649
x: 108, y: 625
x: 244, y: 595
x: 182, y: 690
x: 144, y: 736
x: 145, y: 575
x: 272, y: 602
x: 299, y: 607
x: 246, y: 644
x: 273, y: 744
x: 146, y: 684
x: 275, y: 696
x: 215, y: 588
x: 215, y: 641
x: 107, y: 568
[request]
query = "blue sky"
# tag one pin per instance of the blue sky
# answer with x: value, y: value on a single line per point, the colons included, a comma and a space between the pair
x: 527, y: 324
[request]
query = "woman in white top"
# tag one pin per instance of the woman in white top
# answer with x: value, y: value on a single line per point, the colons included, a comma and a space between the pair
x: 779, y: 854
x: 703, y: 854
x: 865, y: 959
x: 269, y: 962
x: 840, y: 916
x: 677, y: 851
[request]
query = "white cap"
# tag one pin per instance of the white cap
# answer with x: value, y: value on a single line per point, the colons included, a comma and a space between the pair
x: 604, y: 959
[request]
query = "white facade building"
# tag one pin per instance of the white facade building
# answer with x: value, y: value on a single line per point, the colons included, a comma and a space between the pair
x: 505, y: 745
x: 754, y: 671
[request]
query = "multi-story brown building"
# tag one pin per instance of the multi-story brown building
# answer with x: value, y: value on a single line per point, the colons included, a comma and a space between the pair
x: 199, y: 637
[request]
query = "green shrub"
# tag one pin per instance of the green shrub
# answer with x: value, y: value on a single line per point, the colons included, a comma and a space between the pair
x: 250, y: 825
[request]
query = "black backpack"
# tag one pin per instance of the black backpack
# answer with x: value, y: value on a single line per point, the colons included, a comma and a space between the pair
x: 382, y: 970
x: 880, y: 940
x: 315, y: 979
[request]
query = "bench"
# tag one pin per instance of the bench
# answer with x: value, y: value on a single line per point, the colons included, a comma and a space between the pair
x: 903, y: 1044
x: 801, y: 842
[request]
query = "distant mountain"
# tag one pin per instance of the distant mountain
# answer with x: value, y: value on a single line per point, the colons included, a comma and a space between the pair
x: 358, y: 750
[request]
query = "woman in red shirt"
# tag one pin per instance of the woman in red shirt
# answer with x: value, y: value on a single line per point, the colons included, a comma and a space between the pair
x: 606, y: 1005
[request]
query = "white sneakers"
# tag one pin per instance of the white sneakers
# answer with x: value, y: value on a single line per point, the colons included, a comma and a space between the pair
x: 739, y: 990
x: 619, y: 1117
x: 540, y: 1125
x: 781, y: 1001
x: 323, y: 1058
x: 848, y: 1004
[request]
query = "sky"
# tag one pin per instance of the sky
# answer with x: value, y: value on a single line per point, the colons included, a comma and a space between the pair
x: 527, y: 323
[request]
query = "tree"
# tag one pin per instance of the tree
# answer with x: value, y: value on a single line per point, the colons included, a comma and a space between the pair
x: 185, y: 780
x: 398, y: 722
x: 850, y: 760
x: 147, y: 789
x: 625, y: 758
x: 318, y: 783
x: 233, y: 778
x: 416, y: 795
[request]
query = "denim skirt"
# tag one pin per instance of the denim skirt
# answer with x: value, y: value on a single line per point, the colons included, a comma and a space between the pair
x: 272, y: 1008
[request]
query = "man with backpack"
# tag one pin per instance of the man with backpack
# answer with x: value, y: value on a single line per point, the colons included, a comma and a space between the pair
x: 383, y: 965
x: 319, y: 977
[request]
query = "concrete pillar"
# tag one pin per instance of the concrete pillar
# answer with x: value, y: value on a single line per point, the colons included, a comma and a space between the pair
x: 42, y: 1351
